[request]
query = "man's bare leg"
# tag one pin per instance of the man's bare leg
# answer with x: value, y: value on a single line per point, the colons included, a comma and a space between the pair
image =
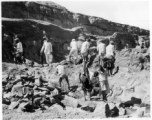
x: 111, y: 71
x: 85, y: 92
x: 60, y: 80
x: 89, y: 94
x: 66, y: 77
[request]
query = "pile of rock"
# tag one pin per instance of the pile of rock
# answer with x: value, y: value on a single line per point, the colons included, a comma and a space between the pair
x: 29, y: 92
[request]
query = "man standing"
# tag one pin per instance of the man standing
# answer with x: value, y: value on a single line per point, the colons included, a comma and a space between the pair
x: 41, y: 54
x: 7, y: 46
x: 47, y: 48
x: 110, y: 54
x: 104, y: 85
x: 101, y: 48
x: 19, y: 47
x: 110, y: 50
x: 15, y: 38
x: 84, y: 52
x: 60, y: 70
x: 74, y: 50
x: 19, y: 51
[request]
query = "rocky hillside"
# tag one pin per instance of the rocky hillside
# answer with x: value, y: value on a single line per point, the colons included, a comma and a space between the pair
x: 129, y: 86
x: 29, y: 19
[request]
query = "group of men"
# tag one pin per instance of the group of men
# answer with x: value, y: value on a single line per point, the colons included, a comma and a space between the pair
x: 60, y: 68
x: 103, y: 52
x: 18, y: 50
x: 101, y: 70
x: 13, y: 48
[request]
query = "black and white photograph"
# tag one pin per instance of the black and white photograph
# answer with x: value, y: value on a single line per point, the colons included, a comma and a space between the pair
x: 75, y: 59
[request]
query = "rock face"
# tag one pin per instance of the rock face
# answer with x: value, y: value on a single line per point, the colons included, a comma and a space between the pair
x: 56, y: 14
x: 122, y: 39
x: 30, y: 34
x: 29, y: 19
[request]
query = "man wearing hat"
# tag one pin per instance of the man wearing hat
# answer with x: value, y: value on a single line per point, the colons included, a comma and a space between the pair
x: 19, y: 50
x: 60, y: 71
x: 103, y: 80
x: 19, y: 47
x: 47, y: 48
x: 41, y: 55
x: 74, y: 50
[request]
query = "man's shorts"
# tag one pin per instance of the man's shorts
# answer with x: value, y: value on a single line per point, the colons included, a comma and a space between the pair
x: 84, y: 55
x: 19, y: 54
x: 103, y: 85
x: 102, y: 55
x: 73, y: 53
x: 63, y: 76
x: 110, y: 56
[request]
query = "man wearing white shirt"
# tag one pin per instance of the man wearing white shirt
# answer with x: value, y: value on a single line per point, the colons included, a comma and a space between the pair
x: 110, y: 54
x: 110, y: 50
x: 85, y: 49
x: 47, y: 48
x: 19, y: 47
x: 19, y: 51
x: 84, y: 53
x: 74, y: 49
x: 101, y: 48
x: 60, y: 71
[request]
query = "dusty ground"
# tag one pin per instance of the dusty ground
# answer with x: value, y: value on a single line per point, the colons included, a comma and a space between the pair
x: 125, y: 77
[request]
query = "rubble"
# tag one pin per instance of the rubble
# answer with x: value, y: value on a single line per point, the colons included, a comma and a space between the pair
x: 37, y: 89
x: 27, y: 93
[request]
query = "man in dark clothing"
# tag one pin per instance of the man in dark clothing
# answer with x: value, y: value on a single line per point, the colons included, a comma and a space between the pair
x: 42, y: 54
x: 15, y: 38
x: 7, y: 46
x: 86, y: 86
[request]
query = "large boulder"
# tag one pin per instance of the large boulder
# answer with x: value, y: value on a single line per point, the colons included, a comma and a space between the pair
x: 69, y: 101
x: 13, y: 105
x: 100, y: 108
x: 17, y: 90
x: 22, y: 106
